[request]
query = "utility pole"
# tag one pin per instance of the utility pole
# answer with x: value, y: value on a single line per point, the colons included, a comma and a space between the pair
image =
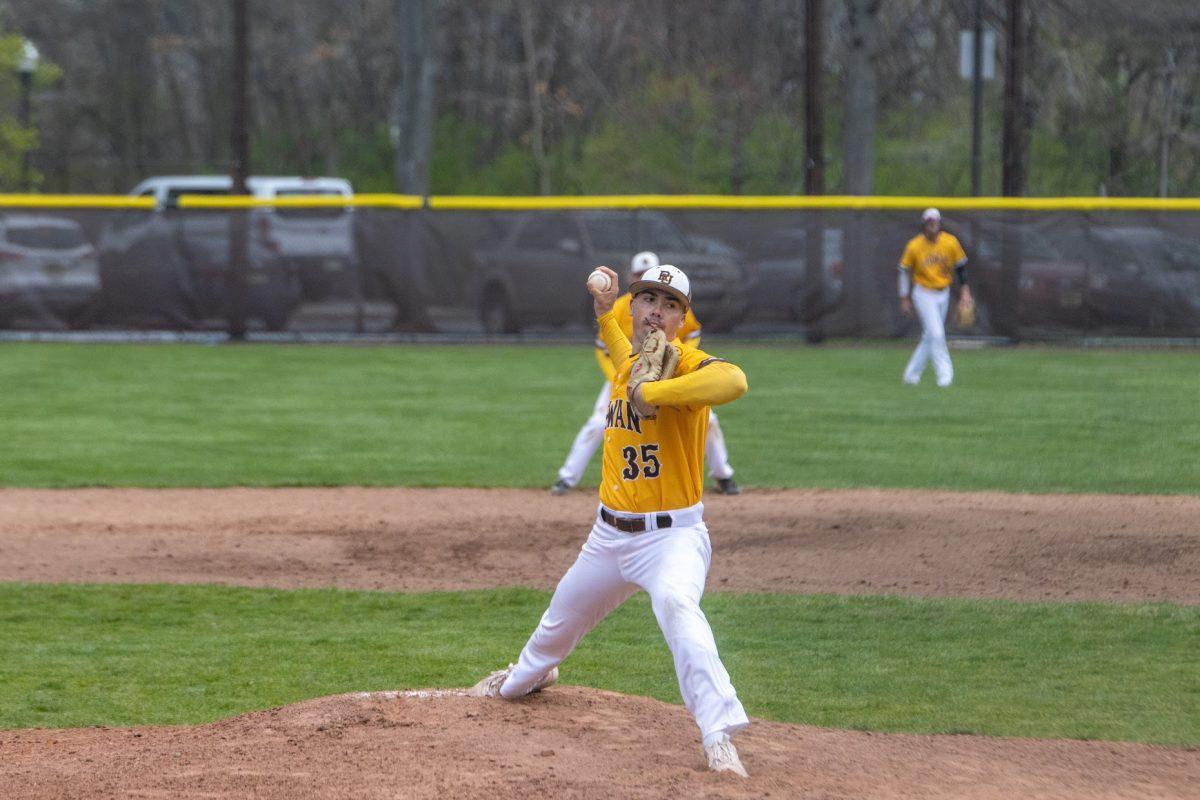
x: 814, y: 142
x: 1164, y: 142
x: 811, y: 301
x: 977, y: 101
x: 1006, y: 313
x: 1013, y: 145
x: 239, y: 249
x: 25, y: 69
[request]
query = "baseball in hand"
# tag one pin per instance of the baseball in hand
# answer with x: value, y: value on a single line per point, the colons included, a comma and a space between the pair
x: 598, y: 281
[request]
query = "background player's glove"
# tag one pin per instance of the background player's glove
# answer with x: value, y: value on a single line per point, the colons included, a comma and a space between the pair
x: 966, y: 312
x: 657, y: 362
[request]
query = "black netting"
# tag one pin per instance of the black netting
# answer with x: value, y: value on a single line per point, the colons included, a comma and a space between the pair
x: 1036, y: 274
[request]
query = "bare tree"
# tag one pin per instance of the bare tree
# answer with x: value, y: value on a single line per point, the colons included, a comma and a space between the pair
x: 417, y: 46
x: 858, y: 130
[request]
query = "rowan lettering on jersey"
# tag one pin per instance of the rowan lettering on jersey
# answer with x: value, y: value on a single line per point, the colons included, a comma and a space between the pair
x: 621, y: 414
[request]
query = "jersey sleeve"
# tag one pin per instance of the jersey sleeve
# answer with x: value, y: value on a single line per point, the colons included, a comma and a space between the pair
x: 615, y: 342
x: 702, y: 380
x: 960, y: 256
x: 908, y: 260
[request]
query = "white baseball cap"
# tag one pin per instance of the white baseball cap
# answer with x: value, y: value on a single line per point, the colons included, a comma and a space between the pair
x: 931, y: 214
x: 642, y: 262
x: 669, y: 279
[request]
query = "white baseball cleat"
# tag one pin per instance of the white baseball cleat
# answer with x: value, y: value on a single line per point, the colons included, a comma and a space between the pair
x: 490, y: 686
x: 723, y: 757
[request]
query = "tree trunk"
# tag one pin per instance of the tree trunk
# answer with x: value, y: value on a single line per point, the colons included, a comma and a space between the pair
x: 812, y: 299
x: 414, y: 106
x: 858, y: 136
x: 537, y: 121
x: 858, y: 152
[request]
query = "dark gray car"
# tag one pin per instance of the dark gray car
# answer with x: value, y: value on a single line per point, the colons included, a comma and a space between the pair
x: 172, y: 266
x: 536, y: 274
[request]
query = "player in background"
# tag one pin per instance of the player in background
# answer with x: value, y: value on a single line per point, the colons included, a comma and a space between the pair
x: 649, y: 531
x: 588, y: 438
x: 930, y: 260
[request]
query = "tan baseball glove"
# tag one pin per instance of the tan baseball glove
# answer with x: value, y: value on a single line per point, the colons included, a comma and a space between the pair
x: 966, y: 313
x: 656, y: 362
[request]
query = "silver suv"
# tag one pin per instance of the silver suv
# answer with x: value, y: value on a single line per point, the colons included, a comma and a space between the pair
x: 47, y: 268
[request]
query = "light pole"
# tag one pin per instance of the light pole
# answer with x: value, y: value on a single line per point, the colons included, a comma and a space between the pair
x: 25, y: 68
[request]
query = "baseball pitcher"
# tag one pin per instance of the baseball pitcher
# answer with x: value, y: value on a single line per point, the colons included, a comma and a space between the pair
x: 649, y: 531
x: 588, y: 439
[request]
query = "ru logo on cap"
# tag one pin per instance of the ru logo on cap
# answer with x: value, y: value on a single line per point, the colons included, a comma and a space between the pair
x: 664, y: 276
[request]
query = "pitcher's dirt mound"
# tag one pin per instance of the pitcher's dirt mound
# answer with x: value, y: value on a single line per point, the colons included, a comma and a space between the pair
x: 565, y: 742
x: 972, y: 544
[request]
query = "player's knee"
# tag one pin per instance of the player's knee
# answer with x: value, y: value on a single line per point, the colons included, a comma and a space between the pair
x: 672, y: 605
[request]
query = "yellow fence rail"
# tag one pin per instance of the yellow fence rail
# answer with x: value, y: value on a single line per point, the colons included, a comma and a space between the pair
x: 646, y: 201
x: 74, y: 201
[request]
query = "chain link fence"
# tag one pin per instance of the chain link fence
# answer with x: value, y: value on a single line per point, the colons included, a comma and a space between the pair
x: 765, y: 266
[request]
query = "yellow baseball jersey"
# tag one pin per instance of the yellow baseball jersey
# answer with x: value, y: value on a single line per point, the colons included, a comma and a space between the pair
x: 688, y: 337
x: 932, y: 263
x: 658, y: 464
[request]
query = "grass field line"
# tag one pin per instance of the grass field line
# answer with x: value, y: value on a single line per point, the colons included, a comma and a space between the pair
x: 1040, y: 420
x: 78, y: 655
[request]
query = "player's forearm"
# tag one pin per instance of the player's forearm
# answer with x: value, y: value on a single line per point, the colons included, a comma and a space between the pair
x: 713, y: 384
x: 613, y: 337
x: 606, y: 365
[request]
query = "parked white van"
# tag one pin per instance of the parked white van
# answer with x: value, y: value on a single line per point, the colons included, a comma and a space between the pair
x: 316, y: 241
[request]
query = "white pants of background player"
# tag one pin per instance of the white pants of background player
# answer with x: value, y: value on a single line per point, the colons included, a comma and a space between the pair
x: 931, y: 306
x: 671, y: 564
x: 592, y: 432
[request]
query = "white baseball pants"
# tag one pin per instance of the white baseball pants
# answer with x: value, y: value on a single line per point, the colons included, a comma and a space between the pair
x: 592, y: 433
x: 671, y: 564
x: 931, y: 306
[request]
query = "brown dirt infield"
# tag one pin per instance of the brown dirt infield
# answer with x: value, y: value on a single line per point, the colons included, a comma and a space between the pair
x: 569, y: 741
x: 1022, y: 547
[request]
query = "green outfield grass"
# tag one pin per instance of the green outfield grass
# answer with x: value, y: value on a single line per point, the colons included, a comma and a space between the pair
x: 122, y: 655
x: 1025, y: 419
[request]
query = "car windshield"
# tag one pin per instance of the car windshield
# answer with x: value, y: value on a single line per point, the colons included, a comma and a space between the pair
x: 176, y: 192
x: 784, y: 244
x: 310, y: 211
x: 610, y: 232
x: 1034, y: 246
x: 1152, y: 249
x: 659, y: 233
x: 46, y: 237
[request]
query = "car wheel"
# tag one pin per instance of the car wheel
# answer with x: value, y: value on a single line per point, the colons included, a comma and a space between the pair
x: 82, y: 318
x: 275, y: 318
x: 497, y: 314
x: 800, y: 310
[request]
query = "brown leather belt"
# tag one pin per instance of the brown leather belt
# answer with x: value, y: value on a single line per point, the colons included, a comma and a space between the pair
x: 633, y: 525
